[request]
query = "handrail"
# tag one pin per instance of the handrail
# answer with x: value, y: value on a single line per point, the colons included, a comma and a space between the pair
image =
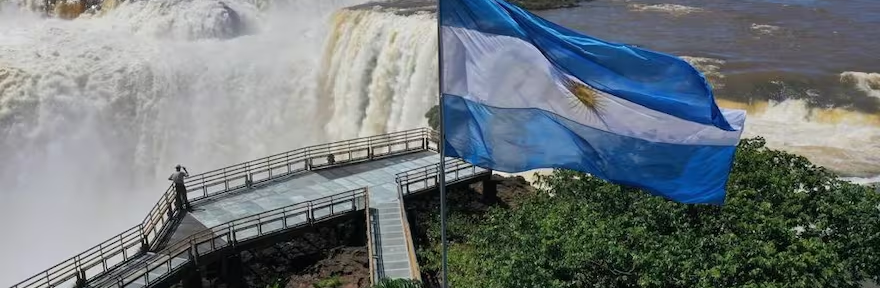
x: 370, y: 253
x: 163, y: 212
x: 460, y: 169
x: 428, y: 175
x: 414, y: 272
x: 232, y: 232
x: 378, y: 271
x: 303, y: 159
x: 150, y: 231
x: 433, y: 141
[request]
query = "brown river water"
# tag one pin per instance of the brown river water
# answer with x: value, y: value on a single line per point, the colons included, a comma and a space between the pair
x: 807, y: 72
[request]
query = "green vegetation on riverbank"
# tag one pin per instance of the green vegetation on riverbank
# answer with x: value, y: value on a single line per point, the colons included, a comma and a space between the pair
x: 786, y: 223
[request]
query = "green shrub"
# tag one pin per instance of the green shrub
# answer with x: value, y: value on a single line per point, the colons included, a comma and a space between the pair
x: 276, y: 284
x: 332, y: 282
x: 785, y: 223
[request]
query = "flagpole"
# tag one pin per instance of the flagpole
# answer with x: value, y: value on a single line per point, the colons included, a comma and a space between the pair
x: 442, y: 148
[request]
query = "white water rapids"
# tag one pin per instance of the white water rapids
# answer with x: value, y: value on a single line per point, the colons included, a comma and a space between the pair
x: 95, y: 112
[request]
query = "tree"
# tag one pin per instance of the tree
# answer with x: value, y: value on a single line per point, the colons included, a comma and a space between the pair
x: 785, y: 223
x: 433, y: 116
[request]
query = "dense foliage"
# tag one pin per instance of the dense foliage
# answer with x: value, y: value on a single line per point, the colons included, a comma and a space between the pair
x: 786, y: 223
x: 433, y: 116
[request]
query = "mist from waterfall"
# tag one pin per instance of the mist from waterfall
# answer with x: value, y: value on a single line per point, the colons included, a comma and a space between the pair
x: 95, y: 112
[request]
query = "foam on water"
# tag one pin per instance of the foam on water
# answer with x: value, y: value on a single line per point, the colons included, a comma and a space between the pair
x: 841, y: 139
x: 710, y: 67
x: 764, y: 29
x: 674, y: 9
x: 865, y: 82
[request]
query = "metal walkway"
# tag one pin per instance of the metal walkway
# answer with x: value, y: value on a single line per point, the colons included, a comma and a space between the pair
x: 271, y: 199
x: 392, y: 245
x: 163, y: 267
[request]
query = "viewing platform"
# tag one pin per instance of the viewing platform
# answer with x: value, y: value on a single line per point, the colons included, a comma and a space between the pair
x: 269, y: 200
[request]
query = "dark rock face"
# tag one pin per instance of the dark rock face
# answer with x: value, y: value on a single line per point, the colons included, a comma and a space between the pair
x: 232, y: 22
x: 329, y: 251
x: 334, y: 251
x: 408, y: 7
x: 348, y: 264
x: 400, y: 7
x: 508, y: 189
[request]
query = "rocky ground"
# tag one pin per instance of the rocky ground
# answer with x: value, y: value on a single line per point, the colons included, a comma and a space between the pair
x: 347, y: 266
x: 329, y: 256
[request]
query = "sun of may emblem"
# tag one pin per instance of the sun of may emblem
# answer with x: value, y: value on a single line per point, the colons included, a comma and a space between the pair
x: 584, y: 96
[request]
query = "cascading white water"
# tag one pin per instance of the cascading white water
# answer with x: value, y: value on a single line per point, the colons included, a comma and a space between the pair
x: 381, y: 73
x: 94, y: 112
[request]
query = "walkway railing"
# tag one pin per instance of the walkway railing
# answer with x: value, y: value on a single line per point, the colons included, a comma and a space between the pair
x: 372, y: 246
x: 427, y: 177
x: 414, y: 271
x: 236, y: 231
x: 284, y: 164
x: 154, y: 226
x: 433, y: 140
x: 145, y: 236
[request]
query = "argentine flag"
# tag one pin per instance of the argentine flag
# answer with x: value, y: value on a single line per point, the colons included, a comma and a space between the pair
x: 521, y: 93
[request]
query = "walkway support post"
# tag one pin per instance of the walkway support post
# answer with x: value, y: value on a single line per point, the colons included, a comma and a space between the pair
x: 490, y: 189
x: 193, y: 276
x: 231, y: 268
x: 80, y: 279
x: 145, y: 245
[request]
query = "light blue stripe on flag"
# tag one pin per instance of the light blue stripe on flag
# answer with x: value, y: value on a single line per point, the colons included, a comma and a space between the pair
x: 522, y: 93
x: 662, y: 82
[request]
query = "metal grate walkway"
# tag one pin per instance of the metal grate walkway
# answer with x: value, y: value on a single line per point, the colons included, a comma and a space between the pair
x: 268, y: 199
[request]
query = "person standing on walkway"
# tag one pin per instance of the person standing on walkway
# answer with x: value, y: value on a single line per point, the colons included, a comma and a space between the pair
x: 180, y: 189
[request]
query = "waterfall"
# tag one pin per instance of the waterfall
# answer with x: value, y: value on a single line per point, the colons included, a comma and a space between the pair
x: 96, y: 111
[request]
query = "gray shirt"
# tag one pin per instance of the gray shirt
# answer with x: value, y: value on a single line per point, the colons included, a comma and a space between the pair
x: 178, y: 176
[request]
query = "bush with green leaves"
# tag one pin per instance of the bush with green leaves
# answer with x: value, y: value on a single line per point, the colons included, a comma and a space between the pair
x: 433, y: 116
x: 332, y: 282
x: 785, y: 223
x: 276, y: 284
